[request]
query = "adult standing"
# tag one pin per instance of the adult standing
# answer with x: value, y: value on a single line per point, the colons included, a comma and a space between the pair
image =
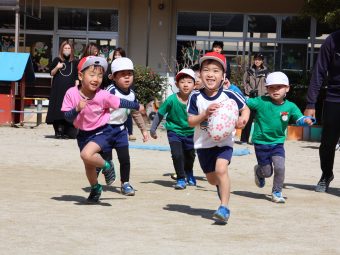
x: 64, y: 76
x: 254, y: 85
x: 327, y: 68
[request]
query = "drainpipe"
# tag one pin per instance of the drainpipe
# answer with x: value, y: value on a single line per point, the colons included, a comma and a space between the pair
x: 148, y: 33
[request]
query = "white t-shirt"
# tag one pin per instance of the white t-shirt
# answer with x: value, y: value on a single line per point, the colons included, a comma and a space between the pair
x: 119, y: 116
x: 198, y: 103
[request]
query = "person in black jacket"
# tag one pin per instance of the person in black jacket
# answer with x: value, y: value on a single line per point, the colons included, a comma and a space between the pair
x: 327, y: 68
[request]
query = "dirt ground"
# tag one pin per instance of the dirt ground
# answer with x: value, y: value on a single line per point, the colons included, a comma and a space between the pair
x: 43, y: 211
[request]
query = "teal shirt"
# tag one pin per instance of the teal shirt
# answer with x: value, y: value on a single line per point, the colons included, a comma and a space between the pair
x: 176, y: 116
x: 271, y: 120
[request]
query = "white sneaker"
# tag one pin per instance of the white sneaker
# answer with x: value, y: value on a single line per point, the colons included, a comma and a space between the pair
x: 277, y: 197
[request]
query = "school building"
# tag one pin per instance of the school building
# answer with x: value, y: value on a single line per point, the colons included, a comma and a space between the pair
x: 161, y: 33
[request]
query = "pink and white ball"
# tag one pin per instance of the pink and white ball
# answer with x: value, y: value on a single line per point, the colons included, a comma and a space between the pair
x: 222, y: 122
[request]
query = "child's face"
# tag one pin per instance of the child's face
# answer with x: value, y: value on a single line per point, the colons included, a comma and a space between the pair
x: 198, y: 81
x: 217, y: 49
x: 277, y: 92
x: 258, y: 62
x: 185, y: 85
x: 117, y: 55
x: 211, y: 75
x: 92, y: 78
x: 123, y: 79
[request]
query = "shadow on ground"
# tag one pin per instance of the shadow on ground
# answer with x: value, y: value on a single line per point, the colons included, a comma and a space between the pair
x: 78, y: 200
x: 332, y: 191
x: 252, y: 195
x: 204, y: 213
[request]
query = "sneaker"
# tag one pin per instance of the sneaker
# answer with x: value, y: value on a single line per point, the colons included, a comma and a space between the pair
x: 180, y: 184
x: 222, y: 214
x: 277, y: 197
x: 110, y: 174
x: 260, y: 182
x: 95, y: 194
x: 191, y: 180
x: 127, y: 189
x: 323, y: 184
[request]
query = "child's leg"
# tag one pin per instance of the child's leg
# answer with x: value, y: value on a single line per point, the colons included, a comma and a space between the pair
x: 279, y: 173
x: 264, y: 171
x: 220, y: 177
x: 92, y: 159
x: 189, y: 159
x: 124, y: 162
x: 177, y: 155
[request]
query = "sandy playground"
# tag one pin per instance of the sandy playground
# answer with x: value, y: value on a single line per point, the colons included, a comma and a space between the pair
x: 43, y: 211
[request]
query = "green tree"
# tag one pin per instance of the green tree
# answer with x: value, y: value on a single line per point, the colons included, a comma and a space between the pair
x: 148, y: 84
x: 325, y: 11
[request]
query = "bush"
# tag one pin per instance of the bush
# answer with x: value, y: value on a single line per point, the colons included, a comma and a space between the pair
x: 148, y: 84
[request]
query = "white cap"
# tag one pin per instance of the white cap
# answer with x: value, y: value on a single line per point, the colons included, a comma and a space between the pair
x: 277, y: 78
x: 85, y: 62
x: 120, y: 64
x: 185, y: 71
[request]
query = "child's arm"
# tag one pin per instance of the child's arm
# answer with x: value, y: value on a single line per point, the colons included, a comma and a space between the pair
x: 137, y: 116
x: 157, y: 119
x: 243, y: 118
x: 306, y: 121
x: 195, y: 120
x: 72, y: 114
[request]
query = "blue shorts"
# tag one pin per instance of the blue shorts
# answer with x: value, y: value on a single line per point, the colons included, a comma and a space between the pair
x: 265, y: 152
x: 187, y: 141
x: 207, y: 157
x: 100, y: 136
x: 119, y: 136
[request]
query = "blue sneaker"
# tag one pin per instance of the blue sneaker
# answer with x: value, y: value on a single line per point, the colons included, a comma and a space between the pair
x: 127, y: 189
x: 180, y: 184
x: 222, y: 214
x: 191, y: 180
x: 260, y: 182
x: 277, y: 197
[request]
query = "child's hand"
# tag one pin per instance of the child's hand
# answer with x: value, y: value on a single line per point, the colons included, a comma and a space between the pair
x: 145, y: 136
x: 153, y: 135
x: 309, y: 121
x: 211, y: 108
x: 81, y: 105
x: 241, y: 122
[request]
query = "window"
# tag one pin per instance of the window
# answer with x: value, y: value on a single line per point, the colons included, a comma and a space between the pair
x: 226, y: 25
x: 192, y: 23
x: 72, y: 19
x: 295, y: 27
x: 261, y: 26
x: 45, y: 23
x: 103, y: 20
x: 7, y: 19
x: 40, y: 48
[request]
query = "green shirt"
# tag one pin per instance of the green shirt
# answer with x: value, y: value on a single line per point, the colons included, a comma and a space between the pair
x: 271, y: 120
x: 176, y: 116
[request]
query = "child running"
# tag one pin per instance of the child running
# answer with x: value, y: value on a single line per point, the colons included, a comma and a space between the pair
x: 122, y: 75
x: 214, y: 157
x: 88, y: 107
x: 180, y: 135
x: 273, y: 113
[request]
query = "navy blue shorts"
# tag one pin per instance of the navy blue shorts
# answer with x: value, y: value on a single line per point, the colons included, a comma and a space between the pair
x: 265, y: 152
x: 100, y: 136
x: 207, y: 157
x: 119, y: 136
x: 187, y: 141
